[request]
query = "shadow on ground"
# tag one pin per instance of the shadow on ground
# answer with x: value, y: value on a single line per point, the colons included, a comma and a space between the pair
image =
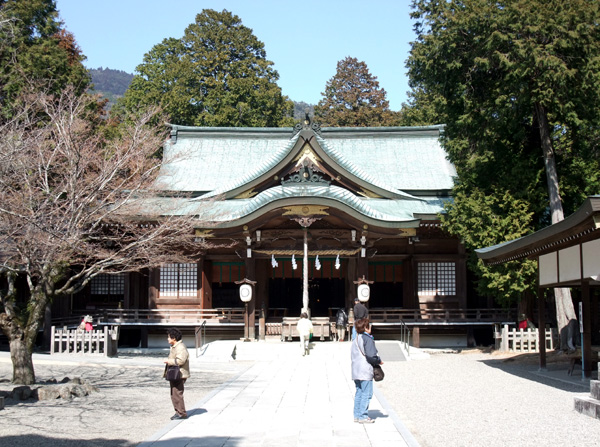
x: 44, y: 441
x: 526, y: 366
x: 201, y: 441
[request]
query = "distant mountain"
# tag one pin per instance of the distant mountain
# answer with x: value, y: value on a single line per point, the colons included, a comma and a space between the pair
x: 300, y: 109
x: 110, y: 83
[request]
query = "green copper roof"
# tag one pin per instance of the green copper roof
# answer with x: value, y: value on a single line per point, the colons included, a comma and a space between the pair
x: 409, y: 163
x: 408, y: 159
x: 204, y: 160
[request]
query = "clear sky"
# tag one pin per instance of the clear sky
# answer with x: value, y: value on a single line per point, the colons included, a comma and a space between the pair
x: 304, y: 39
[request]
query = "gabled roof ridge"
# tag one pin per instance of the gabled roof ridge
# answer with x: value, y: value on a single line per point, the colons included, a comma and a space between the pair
x: 197, y: 129
x: 357, y: 171
x: 260, y: 170
x: 384, y: 129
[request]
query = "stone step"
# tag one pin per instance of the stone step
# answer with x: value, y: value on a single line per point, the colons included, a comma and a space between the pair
x: 595, y: 389
x: 265, y: 350
x: 588, y: 406
x: 238, y: 350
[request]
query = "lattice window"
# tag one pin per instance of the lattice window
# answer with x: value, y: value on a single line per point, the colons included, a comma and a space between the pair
x: 437, y: 278
x: 178, y: 280
x: 105, y: 284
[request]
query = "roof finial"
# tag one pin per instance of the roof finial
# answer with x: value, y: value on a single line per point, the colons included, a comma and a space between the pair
x: 306, y: 118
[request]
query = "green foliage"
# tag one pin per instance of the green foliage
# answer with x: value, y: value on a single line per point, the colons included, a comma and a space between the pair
x: 421, y: 110
x: 488, y: 69
x: 483, y: 220
x: 353, y: 98
x: 217, y: 74
x: 36, y: 50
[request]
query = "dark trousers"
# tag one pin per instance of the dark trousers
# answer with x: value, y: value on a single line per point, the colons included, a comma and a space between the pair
x: 177, y: 396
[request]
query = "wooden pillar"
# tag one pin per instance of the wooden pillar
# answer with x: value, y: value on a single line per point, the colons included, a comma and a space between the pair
x: 205, y: 268
x: 595, y: 327
x: 362, y: 267
x: 542, y: 326
x: 408, y: 284
x: 416, y: 339
x: 461, y: 277
x: 153, y: 287
x: 251, y: 275
x: 144, y: 337
x: 263, y: 267
x: 586, y: 349
x: 351, y: 275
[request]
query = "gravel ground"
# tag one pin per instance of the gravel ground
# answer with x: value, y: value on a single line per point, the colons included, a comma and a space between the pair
x: 473, y: 398
x: 449, y: 399
x: 132, y: 403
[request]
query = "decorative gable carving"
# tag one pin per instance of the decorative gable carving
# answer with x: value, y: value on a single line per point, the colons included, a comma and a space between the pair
x: 307, y: 169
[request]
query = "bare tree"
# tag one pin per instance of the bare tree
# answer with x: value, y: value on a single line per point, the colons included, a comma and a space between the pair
x: 75, y: 203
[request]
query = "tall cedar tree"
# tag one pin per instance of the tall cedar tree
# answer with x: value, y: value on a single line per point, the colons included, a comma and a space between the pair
x: 36, y: 49
x: 353, y: 98
x: 517, y: 82
x: 217, y: 74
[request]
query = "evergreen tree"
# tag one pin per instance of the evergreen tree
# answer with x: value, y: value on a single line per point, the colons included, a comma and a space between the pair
x: 517, y: 82
x: 35, y: 49
x: 353, y: 98
x: 217, y: 74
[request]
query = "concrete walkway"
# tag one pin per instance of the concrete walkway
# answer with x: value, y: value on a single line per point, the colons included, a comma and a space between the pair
x: 289, y: 400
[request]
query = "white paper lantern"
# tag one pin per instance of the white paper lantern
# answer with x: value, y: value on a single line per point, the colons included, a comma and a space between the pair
x: 245, y: 292
x: 364, y: 292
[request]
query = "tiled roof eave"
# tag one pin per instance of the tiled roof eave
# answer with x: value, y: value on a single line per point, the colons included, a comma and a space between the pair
x: 284, y: 195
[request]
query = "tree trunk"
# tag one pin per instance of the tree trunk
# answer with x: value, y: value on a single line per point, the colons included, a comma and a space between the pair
x: 22, y: 335
x: 565, y: 312
x: 22, y: 361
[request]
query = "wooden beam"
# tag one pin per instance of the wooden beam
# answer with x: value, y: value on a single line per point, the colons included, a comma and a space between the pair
x: 586, y: 349
x: 542, y: 327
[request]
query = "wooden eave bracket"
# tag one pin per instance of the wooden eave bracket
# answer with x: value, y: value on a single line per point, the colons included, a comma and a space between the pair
x: 363, y: 280
x: 245, y: 281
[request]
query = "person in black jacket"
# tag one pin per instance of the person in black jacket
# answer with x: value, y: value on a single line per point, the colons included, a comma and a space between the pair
x: 360, y: 313
x: 341, y: 321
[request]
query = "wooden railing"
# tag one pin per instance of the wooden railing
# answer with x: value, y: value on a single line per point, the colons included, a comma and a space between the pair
x: 321, y: 328
x: 74, y: 341
x: 523, y: 340
x: 390, y: 315
x: 159, y: 316
x: 236, y: 316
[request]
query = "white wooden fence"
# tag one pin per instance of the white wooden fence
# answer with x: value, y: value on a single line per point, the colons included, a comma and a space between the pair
x: 522, y: 340
x: 73, y: 341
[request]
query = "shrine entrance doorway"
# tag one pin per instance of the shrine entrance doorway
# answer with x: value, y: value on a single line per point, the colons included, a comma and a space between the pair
x: 325, y: 295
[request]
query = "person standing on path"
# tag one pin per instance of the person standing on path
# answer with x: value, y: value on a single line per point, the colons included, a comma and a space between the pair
x: 178, y: 356
x: 341, y: 321
x: 304, y: 328
x: 363, y: 355
x: 360, y: 313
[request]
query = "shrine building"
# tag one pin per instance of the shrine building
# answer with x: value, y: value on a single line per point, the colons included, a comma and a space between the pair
x: 302, y: 214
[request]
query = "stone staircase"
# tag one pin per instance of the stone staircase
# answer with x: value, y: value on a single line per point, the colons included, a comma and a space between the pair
x: 590, y: 406
x: 238, y: 350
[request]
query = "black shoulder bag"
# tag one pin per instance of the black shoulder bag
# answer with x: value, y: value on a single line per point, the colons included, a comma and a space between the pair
x: 378, y: 373
x: 173, y: 372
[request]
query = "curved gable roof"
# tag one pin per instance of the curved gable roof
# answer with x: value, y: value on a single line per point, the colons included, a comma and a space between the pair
x: 227, y: 161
